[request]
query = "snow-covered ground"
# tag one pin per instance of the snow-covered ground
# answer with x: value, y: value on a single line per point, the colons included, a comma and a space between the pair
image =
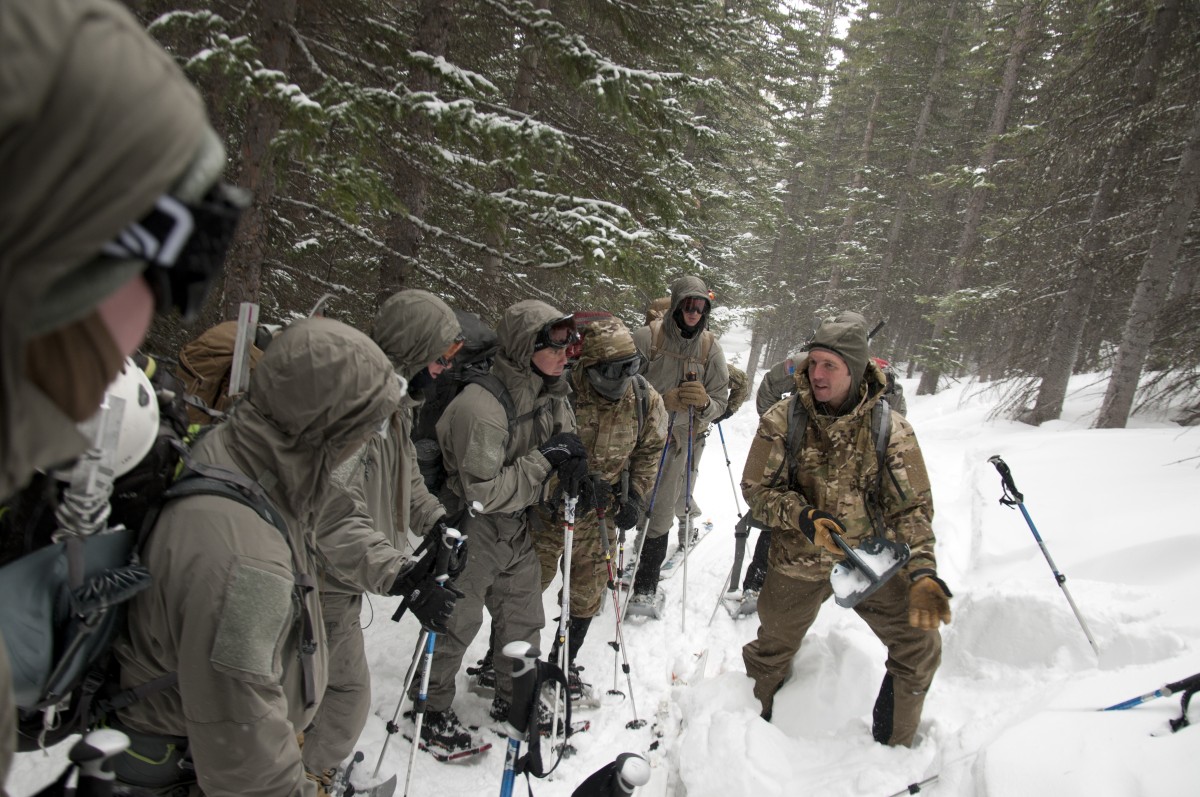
x: 1013, y: 710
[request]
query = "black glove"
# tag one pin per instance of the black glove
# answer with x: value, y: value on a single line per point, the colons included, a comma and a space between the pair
x: 430, y: 602
x: 594, y: 493
x: 724, y: 416
x: 630, y: 513
x: 572, y: 475
x: 562, y: 447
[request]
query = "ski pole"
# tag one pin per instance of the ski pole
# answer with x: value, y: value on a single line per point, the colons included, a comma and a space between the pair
x: 91, y: 755
x: 662, y: 458
x: 729, y: 469
x: 393, y: 727
x: 524, y: 657
x: 687, y: 508
x: 741, y: 532
x: 419, y: 704
x: 1191, y: 682
x: 343, y: 787
x: 1013, y: 497
x: 618, y: 644
x: 914, y: 788
x: 570, y: 500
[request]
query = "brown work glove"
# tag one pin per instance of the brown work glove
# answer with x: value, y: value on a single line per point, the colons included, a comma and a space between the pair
x: 819, y: 526
x: 928, y: 603
x: 688, y: 394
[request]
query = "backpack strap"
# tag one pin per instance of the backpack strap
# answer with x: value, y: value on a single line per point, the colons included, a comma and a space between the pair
x: 707, y: 338
x: 492, y: 384
x: 641, y: 389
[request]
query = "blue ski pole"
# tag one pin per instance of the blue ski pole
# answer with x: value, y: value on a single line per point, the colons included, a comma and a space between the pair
x: 1013, y: 497
x: 1192, y: 682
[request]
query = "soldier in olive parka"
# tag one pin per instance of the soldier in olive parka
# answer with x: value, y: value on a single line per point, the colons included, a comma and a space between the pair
x: 498, y: 465
x: 365, y: 548
x: 676, y: 346
x: 828, y: 485
x: 621, y: 436
x: 223, y: 612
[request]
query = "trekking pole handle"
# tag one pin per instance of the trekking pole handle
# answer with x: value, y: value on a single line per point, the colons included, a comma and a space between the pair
x: 1006, y: 479
x: 875, y: 330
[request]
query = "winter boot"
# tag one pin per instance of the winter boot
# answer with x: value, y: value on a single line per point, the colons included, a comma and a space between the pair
x: 444, y: 730
x: 650, y: 567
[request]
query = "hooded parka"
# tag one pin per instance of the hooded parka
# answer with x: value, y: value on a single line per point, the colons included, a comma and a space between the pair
x: 668, y: 364
x: 362, y: 544
x: 96, y: 122
x: 220, y: 612
x: 496, y: 468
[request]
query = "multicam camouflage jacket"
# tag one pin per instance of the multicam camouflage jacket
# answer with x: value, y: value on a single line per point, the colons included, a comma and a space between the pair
x: 610, y: 433
x: 836, y: 469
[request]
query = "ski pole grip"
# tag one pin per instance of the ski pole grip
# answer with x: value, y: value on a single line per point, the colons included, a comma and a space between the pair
x: 1006, y: 477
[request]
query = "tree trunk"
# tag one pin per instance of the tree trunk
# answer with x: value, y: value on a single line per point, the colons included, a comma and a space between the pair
x: 256, y: 172
x: 1072, y: 312
x: 522, y: 101
x: 969, y: 237
x: 755, y: 354
x: 914, y: 160
x: 847, y: 227
x: 404, y: 235
x: 1153, y: 285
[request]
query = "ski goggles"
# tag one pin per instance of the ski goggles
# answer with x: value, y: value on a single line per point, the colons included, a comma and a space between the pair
x: 557, y: 334
x: 453, y: 349
x: 693, y: 305
x: 183, y: 246
x: 618, y: 370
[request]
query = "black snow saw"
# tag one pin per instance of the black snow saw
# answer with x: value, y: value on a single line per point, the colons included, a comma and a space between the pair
x: 865, y: 569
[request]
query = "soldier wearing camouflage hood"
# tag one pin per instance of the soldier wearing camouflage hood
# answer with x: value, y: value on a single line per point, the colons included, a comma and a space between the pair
x: 675, y: 347
x: 623, y: 434
x: 498, y: 461
x: 831, y: 483
x: 364, y: 548
x: 222, y: 612
x: 98, y: 127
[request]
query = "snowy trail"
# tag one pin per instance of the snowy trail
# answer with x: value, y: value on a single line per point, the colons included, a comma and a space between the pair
x: 1012, y: 711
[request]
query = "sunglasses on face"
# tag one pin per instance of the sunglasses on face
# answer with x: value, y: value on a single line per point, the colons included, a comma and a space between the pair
x: 558, y: 334
x: 693, y: 305
x: 617, y: 370
x: 448, y: 356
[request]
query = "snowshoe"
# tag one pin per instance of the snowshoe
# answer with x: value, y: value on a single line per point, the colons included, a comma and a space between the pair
x: 672, y: 564
x: 740, y: 604
x: 644, y: 604
x: 499, y: 713
x: 445, y: 738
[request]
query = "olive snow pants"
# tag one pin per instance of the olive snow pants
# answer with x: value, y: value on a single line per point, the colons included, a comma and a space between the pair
x: 787, y: 608
x: 504, y: 575
x: 342, y: 714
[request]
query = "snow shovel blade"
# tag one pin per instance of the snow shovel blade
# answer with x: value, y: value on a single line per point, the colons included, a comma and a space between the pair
x: 865, y: 570
x: 385, y: 789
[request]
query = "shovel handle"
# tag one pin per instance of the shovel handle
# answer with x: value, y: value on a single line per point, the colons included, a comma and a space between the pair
x: 852, y: 555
